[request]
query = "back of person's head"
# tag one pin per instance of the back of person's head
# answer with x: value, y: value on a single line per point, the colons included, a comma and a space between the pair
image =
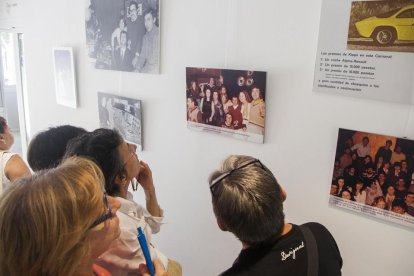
x: 247, y: 200
x: 45, y: 219
x: 48, y: 147
x: 3, y: 124
x: 101, y: 145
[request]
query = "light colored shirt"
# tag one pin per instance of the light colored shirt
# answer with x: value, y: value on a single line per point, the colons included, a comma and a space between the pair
x: 5, y: 181
x: 125, y: 254
x: 361, y: 150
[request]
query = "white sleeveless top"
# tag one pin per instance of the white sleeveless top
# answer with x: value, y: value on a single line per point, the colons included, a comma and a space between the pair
x: 5, y: 181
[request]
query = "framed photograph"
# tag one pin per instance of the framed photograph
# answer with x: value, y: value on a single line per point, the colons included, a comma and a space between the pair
x: 122, y: 114
x: 365, y: 50
x: 64, y: 71
x: 227, y: 102
x: 123, y: 35
x: 374, y: 175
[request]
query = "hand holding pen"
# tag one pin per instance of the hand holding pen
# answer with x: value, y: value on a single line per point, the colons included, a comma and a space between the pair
x: 159, y: 269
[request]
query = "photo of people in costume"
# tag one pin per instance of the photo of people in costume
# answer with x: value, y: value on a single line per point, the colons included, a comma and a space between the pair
x: 228, y: 102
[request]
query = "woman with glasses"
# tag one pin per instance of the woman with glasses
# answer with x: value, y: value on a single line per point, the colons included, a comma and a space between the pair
x: 57, y: 222
x: 121, y: 167
x: 11, y: 164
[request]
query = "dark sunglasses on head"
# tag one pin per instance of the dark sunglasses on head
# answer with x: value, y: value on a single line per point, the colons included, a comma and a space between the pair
x: 217, y: 180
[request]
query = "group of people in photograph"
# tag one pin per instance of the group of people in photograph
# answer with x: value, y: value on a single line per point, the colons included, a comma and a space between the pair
x: 124, y: 35
x: 212, y: 104
x: 385, y: 181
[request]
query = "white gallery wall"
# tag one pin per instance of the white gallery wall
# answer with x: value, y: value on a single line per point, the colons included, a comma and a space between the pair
x: 279, y: 37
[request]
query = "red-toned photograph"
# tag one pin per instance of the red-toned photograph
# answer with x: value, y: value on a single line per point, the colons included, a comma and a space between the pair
x: 374, y: 174
x: 227, y: 102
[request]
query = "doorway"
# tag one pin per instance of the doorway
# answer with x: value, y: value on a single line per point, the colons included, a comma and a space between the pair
x: 11, y: 87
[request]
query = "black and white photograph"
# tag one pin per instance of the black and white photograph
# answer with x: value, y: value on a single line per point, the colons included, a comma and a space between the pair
x: 122, y: 114
x: 227, y: 102
x: 123, y: 35
x: 65, y: 84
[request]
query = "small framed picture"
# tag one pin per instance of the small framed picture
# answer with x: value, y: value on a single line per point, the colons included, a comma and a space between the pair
x: 123, y: 114
x: 64, y: 71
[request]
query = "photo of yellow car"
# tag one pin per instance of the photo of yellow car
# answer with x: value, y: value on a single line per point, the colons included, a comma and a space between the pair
x: 386, y: 28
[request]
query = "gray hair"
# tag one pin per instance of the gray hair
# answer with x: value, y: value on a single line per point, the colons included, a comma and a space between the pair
x: 248, y: 201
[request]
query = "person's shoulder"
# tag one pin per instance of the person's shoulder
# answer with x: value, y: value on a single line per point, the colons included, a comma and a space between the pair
x: 318, y: 229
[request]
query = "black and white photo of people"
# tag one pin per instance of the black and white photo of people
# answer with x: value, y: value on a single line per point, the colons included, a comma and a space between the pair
x: 123, y: 35
x: 227, y: 101
x: 122, y: 114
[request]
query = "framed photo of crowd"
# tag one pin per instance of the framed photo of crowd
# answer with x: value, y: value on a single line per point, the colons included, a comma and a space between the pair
x: 64, y: 72
x: 122, y: 114
x: 123, y: 35
x: 374, y: 174
x: 227, y: 102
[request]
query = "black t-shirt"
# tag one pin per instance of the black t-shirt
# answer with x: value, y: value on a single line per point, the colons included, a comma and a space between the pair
x: 288, y: 255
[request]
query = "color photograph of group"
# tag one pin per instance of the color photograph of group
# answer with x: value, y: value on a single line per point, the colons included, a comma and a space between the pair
x: 375, y: 170
x: 226, y: 101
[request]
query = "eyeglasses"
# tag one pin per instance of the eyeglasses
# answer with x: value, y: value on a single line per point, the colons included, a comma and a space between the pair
x: 106, y: 216
x: 132, y: 154
x: 217, y: 180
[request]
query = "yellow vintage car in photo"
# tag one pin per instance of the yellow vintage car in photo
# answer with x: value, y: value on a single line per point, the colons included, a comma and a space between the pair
x: 388, y: 27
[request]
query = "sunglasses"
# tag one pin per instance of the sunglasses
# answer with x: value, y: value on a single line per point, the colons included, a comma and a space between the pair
x: 106, y: 216
x: 213, y: 184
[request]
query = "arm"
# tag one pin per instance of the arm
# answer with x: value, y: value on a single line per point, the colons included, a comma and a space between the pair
x: 199, y: 117
x: 16, y: 168
x: 212, y: 111
x: 145, y: 179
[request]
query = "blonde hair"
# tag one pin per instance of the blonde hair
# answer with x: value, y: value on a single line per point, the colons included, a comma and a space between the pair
x: 45, y: 218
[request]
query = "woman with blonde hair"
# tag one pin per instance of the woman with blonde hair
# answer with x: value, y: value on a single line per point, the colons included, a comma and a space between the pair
x: 57, y: 222
x: 11, y: 164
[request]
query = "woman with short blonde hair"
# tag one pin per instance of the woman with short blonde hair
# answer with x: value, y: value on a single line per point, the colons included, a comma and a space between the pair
x: 56, y: 222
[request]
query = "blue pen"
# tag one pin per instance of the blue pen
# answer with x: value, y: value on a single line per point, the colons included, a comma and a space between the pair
x: 144, y: 247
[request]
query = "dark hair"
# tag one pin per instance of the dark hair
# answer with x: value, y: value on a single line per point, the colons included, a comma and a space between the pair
x: 48, y: 147
x: 152, y: 12
x: 133, y: 3
x: 101, y: 145
x: 400, y: 203
x: 3, y: 124
x: 123, y: 32
x: 193, y: 100
x: 349, y: 192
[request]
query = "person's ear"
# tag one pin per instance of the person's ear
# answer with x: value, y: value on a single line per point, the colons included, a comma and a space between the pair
x: 284, y: 194
x: 120, y: 179
x: 221, y: 225
x: 2, y: 138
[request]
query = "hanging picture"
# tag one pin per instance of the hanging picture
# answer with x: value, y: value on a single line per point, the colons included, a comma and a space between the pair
x: 227, y: 102
x: 365, y: 50
x: 65, y: 84
x: 122, y: 114
x: 374, y: 175
x: 123, y: 35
